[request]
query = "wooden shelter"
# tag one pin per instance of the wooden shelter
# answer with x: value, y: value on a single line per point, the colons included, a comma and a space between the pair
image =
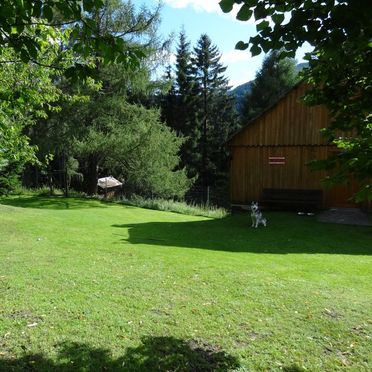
x: 109, y: 186
x: 272, y: 152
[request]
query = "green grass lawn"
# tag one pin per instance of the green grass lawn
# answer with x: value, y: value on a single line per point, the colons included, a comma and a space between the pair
x: 89, y: 286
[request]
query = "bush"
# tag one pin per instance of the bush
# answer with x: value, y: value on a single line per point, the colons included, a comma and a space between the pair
x: 8, y: 183
x: 9, y: 178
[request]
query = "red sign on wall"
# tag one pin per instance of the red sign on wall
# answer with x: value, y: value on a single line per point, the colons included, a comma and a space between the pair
x: 277, y: 160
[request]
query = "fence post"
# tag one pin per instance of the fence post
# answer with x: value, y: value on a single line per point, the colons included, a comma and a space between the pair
x: 65, y: 176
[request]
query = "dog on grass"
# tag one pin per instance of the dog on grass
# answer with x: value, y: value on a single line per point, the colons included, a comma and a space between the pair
x: 257, y: 217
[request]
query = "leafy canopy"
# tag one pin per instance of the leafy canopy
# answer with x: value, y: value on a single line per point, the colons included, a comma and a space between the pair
x: 111, y: 132
x: 28, y: 26
x: 26, y: 94
x: 324, y: 24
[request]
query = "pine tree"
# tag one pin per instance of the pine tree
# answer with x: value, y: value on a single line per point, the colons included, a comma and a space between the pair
x: 180, y: 87
x: 275, y: 77
x: 185, y: 106
x: 168, y: 101
x: 203, y: 110
x: 184, y: 78
x: 177, y: 105
x: 215, y: 114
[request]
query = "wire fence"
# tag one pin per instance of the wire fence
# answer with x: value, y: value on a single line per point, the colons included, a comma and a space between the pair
x: 209, y: 195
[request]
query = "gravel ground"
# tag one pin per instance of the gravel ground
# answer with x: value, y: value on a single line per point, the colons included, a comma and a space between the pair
x: 346, y: 216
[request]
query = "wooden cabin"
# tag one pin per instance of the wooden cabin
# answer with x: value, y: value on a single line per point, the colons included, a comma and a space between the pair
x: 271, y: 153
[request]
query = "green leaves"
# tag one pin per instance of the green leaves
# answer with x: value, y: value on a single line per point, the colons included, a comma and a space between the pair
x: 25, y: 91
x: 241, y: 45
x: 28, y: 27
x: 261, y: 26
x: 278, y: 18
x: 36, y: 10
x: 244, y: 14
x: 89, y: 5
x: 226, y: 5
x: 255, y: 50
x: 47, y: 12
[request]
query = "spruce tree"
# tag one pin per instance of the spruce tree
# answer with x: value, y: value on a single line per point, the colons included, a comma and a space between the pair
x: 168, y: 101
x: 177, y: 105
x: 203, y: 110
x: 215, y: 113
x: 184, y: 78
x: 275, y: 77
x: 185, y: 106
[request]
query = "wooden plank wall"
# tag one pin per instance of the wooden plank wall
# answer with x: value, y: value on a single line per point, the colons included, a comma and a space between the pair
x: 289, y: 122
x: 251, y: 171
x: 291, y: 130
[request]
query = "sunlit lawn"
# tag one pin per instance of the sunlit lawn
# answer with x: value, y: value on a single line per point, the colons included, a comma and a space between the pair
x: 90, y: 286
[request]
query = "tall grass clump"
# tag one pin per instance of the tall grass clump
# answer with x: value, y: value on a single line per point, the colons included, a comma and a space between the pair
x: 177, y: 207
x: 36, y: 191
x: 191, y: 209
x: 45, y: 191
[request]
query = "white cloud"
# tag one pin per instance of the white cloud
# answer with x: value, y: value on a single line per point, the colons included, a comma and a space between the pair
x: 199, y: 5
x: 234, y: 56
x: 209, y: 6
x: 233, y: 83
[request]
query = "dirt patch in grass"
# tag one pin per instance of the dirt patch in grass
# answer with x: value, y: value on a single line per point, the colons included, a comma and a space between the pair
x: 332, y: 313
x: 24, y: 315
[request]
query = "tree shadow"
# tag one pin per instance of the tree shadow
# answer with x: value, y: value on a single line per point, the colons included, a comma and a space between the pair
x: 51, y: 202
x: 293, y: 368
x: 286, y: 233
x: 153, y: 354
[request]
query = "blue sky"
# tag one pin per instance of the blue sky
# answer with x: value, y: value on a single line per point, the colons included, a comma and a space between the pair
x: 205, y: 17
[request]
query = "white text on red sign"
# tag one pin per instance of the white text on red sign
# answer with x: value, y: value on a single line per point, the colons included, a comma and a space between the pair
x: 277, y: 160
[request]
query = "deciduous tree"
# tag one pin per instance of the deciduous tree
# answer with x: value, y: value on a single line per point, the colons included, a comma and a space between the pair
x: 111, y: 132
x: 27, y: 93
x: 28, y: 26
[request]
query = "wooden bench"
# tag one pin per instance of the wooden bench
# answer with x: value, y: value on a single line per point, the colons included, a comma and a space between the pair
x: 292, y: 199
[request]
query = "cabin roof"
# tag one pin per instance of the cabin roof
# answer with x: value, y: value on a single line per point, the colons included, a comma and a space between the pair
x: 251, y: 122
x: 108, y: 182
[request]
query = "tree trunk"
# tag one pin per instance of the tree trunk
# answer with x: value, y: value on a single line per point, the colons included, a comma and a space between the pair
x: 92, y: 175
x: 205, y: 180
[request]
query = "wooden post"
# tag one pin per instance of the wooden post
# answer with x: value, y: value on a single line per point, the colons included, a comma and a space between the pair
x: 65, y: 176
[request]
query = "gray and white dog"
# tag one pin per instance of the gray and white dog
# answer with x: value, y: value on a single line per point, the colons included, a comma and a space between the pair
x: 256, y: 215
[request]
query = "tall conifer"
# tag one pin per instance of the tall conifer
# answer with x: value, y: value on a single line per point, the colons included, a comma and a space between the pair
x: 275, y: 77
x: 215, y: 112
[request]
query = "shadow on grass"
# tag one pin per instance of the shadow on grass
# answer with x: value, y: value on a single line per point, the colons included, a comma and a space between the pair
x: 153, y: 354
x: 286, y: 233
x: 292, y: 368
x: 52, y: 202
